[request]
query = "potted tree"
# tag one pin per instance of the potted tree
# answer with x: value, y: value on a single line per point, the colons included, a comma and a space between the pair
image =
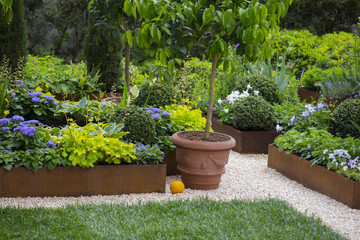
x: 202, y: 156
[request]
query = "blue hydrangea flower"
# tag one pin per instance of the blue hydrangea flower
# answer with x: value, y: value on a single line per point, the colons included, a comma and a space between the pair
x: 5, y: 128
x: 30, y: 122
x: 45, y: 102
x: 35, y: 99
x: 17, y: 118
x: 18, y: 128
x: 4, y: 121
x: 35, y: 94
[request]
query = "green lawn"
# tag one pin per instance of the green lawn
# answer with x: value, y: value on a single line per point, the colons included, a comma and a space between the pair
x: 197, y: 219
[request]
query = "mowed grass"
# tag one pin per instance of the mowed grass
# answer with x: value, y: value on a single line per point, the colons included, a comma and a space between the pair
x: 196, y: 219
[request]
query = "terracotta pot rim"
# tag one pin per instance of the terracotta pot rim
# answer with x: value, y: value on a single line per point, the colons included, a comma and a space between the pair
x: 203, y: 145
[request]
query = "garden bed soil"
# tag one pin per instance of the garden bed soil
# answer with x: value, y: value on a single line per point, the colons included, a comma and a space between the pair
x: 76, y: 181
x: 246, y: 141
x: 315, y: 177
x: 308, y: 95
x: 171, y: 163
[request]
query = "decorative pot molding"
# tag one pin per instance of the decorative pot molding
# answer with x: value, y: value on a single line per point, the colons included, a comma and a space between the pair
x: 76, y: 181
x: 317, y: 178
x: 246, y: 141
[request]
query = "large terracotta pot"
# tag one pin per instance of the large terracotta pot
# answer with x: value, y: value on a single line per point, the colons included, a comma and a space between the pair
x: 202, y: 163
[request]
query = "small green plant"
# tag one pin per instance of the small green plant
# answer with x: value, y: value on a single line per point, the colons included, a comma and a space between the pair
x: 138, y: 122
x: 315, y: 78
x: 4, y: 84
x: 264, y: 85
x: 155, y: 95
x: 253, y: 113
x: 322, y: 148
x: 347, y: 113
x: 186, y: 118
x: 342, y: 86
x: 31, y: 103
x: 94, y: 144
x: 148, y: 154
x: 28, y: 144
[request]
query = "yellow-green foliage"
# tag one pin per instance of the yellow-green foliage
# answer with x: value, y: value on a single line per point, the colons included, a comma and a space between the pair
x: 306, y: 50
x: 136, y: 77
x: 91, y: 145
x: 186, y: 118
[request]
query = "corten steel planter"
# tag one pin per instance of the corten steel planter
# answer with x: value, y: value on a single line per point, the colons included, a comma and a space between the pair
x: 76, y: 181
x: 171, y: 163
x: 317, y: 178
x: 201, y: 163
x: 246, y: 141
x: 308, y: 95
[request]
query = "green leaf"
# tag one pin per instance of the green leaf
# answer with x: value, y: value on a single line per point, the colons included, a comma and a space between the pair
x: 83, y: 102
x: 228, y: 21
x: 246, y: 38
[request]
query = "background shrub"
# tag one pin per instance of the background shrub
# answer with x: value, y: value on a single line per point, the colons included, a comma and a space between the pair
x: 253, y: 113
x: 314, y: 78
x: 347, y: 111
x: 138, y: 122
x: 13, y: 37
x: 265, y: 86
x: 103, y: 51
x: 160, y: 95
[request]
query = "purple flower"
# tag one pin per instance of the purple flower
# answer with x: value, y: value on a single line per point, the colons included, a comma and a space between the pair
x: 320, y: 106
x: 5, y: 150
x: 165, y: 113
x: 35, y: 99
x: 156, y: 116
x: 51, y: 144
x: 49, y: 98
x: 236, y: 46
x: 30, y: 122
x: 293, y: 120
x: 4, y: 121
x: 46, y: 102
x: 18, y: 128
x: 29, y: 150
x: 28, y: 131
x: 18, y: 81
x: 5, y: 128
x: 35, y: 94
x: 22, y: 85
x: 0, y: 142
x: 13, y: 95
x: 17, y: 118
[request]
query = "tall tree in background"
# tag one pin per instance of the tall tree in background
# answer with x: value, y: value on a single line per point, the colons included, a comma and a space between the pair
x: 103, y: 49
x: 13, y: 36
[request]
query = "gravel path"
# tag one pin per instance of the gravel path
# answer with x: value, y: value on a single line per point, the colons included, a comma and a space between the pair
x: 247, y: 177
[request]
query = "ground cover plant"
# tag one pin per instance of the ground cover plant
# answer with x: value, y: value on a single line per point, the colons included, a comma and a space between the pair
x: 204, y: 219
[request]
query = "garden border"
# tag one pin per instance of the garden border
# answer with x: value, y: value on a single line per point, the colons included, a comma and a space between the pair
x: 246, y: 141
x: 315, y: 177
x: 76, y: 181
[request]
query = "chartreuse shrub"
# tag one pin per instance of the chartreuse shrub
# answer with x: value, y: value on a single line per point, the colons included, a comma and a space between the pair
x: 307, y: 51
x: 321, y: 147
x: 253, y: 113
x: 139, y: 124
x: 28, y: 144
x: 346, y: 117
x: 258, y: 84
x: 186, y: 118
x: 94, y: 144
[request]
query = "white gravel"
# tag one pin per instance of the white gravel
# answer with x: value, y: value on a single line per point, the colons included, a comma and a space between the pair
x: 247, y: 177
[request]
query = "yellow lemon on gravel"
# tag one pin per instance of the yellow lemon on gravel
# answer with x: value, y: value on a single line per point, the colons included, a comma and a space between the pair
x: 177, y: 187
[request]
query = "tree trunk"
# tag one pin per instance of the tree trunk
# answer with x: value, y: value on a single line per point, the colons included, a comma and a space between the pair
x: 127, y: 68
x: 211, y: 97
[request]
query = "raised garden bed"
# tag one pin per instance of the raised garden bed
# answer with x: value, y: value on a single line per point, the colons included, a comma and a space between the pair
x: 308, y: 95
x: 171, y: 163
x: 246, y: 141
x: 317, y: 178
x: 76, y: 181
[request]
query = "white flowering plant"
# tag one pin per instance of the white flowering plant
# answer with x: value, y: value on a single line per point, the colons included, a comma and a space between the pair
x: 343, y: 163
x: 225, y: 108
